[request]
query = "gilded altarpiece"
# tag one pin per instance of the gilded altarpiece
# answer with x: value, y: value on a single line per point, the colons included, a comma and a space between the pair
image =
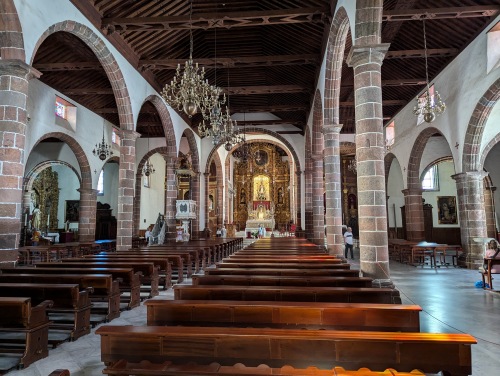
x: 45, y: 201
x: 264, y: 178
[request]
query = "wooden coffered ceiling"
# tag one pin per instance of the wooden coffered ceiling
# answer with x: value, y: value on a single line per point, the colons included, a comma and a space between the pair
x: 266, y: 54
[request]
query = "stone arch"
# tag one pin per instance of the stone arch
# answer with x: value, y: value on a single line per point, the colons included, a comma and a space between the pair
x: 108, y: 62
x: 388, y: 159
x: 195, y: 182
x: 334, y: 58
x: 413, y: 173
x: 11, y: 33
x: 487, y: 149
x: 163, y: 150
x: 30, y: 176
x: 168, y: 126
x: 87, y: 222
x: 472, y: 160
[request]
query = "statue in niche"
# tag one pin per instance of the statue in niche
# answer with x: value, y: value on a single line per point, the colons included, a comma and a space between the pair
x: 261, y: 195
x: 243, y: 198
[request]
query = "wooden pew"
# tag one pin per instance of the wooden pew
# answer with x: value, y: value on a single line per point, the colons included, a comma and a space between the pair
x: 283, y: 265
x: 289, y: 293
x: 60, y: 372
x: 23, y: 331
x: 325, y: 260
x: 196, y: 257
x: 70, y: 311
x: 164, y: 263
x: 128, y: 280
x: 105, y: 289
x: 284, y: 272
x: 295, y: 315
x: 295, y: 347
x: 167, y: 368
x: 271, y: 280
x: 148, y: 271
x: 487, y: 275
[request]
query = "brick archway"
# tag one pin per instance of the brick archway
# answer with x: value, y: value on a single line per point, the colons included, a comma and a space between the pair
x: 472, y: 160
x: 11, y: 33
x: 86, y: 225
x: 334, y: 58
x: 195, y: 182
x: 488, y: 148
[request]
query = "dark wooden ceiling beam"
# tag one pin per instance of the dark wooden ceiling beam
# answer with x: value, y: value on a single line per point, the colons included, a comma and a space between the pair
x: 440, y: 13
x: 73, y: 66
x: 251, y: 123
x: 277, y: 108
x: 433, y: 52
x: 221, y: 20
x: 87, y: 91
x: 391, y: 102
x: 271, y: 89
x: 234, y: 62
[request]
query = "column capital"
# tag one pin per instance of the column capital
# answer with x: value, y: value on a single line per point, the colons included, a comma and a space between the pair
x: 412, y: 191
x: 129, y: 134
x: 332, y: 128
x: 470, y: 175
x: 88, y: 191
x: 18, y: 68
x: 206, y: 174
x: 364, y: 54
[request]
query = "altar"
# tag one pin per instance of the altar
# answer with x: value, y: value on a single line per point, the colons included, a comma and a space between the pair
x: 260, y: 214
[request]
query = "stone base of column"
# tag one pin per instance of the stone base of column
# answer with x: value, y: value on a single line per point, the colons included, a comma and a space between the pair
x: 383, y: 283
x: 472, y: 262
x: 8, y: 256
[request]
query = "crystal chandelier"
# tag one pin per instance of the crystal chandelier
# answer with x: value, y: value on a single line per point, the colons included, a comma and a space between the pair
x: 428, y: 104
x: 243, y: 153
x: 189, y: 90
x: 148, y: 168
x: 102, y: 150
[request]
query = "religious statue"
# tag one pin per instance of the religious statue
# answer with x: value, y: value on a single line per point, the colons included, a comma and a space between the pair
x: 261, y: 195
x: 243, y: 199
x: 36, y: 218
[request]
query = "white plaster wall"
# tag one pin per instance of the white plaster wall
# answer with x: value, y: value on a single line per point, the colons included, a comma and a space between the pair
x: 461, y: 85
x: 447, y: 187
x: 153, y: 198
x: 491, y: 166
x: 396, y: 197
x: 51, y: 151
x: 436, y: 148
x: 68, y: 185
x: 110, y: 185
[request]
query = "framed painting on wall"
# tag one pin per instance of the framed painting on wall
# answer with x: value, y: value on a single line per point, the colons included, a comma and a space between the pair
x: 72, y: 211
x: 447, y: 210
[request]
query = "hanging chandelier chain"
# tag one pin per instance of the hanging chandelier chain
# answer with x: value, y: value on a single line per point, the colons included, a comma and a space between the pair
x: 425, y: 56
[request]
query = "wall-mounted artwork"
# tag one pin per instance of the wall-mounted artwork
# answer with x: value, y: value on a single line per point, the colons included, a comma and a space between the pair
x: 72, y: 211
x: 447, y: 210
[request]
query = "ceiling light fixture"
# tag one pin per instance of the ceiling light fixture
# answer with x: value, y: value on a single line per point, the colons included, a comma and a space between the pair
x: 148, y: 168
x: 429, y: 104
x: 102, y: 150
x: 189, y: 90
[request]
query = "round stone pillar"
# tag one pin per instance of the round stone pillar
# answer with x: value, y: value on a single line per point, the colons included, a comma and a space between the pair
x: 370, y: 151
x: 414, y: 214
x: 170, y: 197
x: 126, y: 190
x: 298, y: 200
x: 87, y: 214
x: 471, y: 214
x: 317, y: 201
x: 207, y: 180
x: 333, y: 219
x: 195, y: 196
x: 14, y: 77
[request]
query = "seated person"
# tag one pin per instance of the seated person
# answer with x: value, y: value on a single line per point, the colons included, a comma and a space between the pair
x: 492, y: 253
x: 35, y: 237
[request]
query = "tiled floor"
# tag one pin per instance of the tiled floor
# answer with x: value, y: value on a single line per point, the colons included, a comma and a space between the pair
x: 450, y: 301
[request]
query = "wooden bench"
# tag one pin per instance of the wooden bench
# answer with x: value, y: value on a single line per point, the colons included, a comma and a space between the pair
x: 128, y: 280
x: 295, y: 347
x: 167, y: 368
x: 148, y: 271
x: 271, y: 280
x: 164, y: 264
x: 283, y: 265
x: 197, y: 257
x: 105, y: 289
x: 289, y: 293
x: 70, y: 311
x: 23, y: 332
x: 60, y: 372
x: 295, y: 315
x: 284, y: 272
x: 328, y: 260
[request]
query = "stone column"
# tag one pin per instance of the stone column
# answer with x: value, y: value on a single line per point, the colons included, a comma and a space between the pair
x: 489, y: 206
x: 195, y: 196
x: 471, y: 214
x: 170, y: 197
x: 318, y: 201
x: 414, y: 214
x: 308, y: 200
x: 298, y: 200
x: 370, y: 151
x: 207, y: 180
x: 14, y: 77
x: 126, y: 185
x: 333, y: 218
x: 88, y: 209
